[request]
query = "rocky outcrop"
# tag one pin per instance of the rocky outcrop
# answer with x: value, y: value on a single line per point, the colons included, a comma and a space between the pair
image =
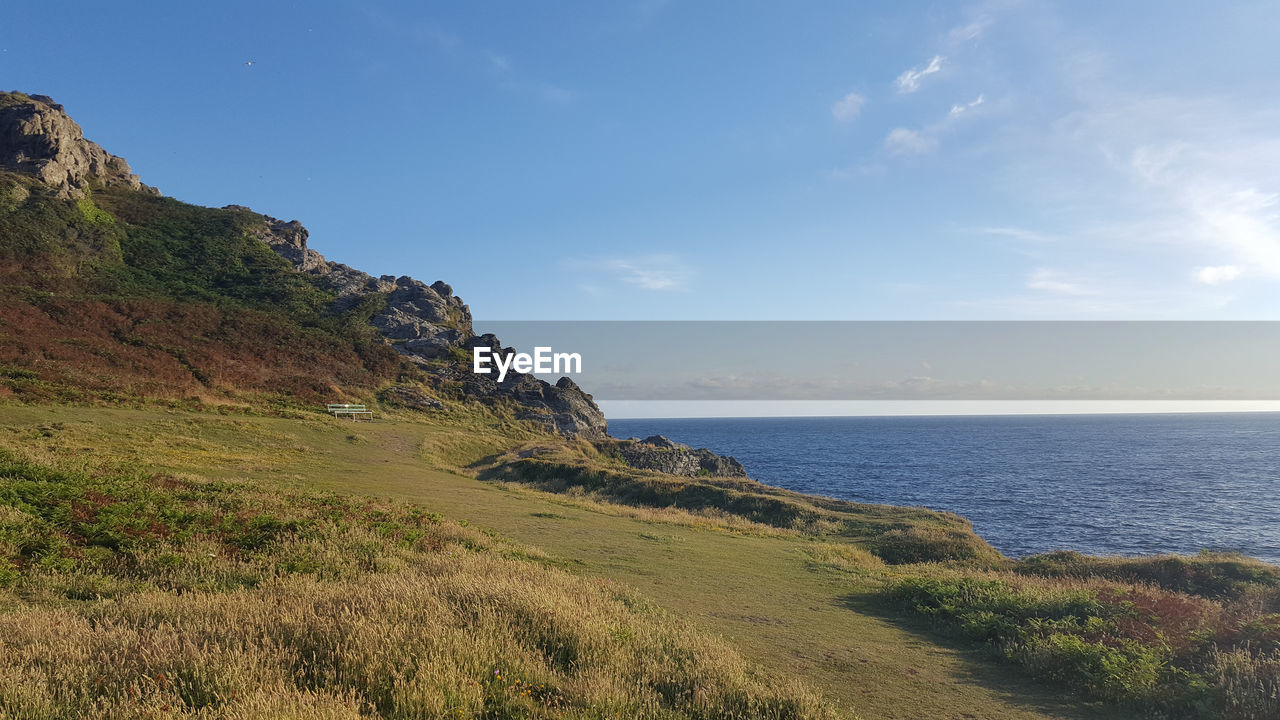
x: 38, y: 138
x: 411, y: 397
x: 663, y: 455
x: 563, y: 407
x: 427, y: 323
x: 430, y: 319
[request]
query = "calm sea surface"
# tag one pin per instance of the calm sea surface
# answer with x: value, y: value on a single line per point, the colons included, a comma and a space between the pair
x: 1113, y: 484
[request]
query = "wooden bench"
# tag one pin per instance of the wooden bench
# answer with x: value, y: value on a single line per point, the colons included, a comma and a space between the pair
x: 354, y: 412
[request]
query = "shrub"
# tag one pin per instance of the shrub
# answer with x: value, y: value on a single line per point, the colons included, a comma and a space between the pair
x: 915, y: 544
x: 1214, y: 575
x: 1135, y: 644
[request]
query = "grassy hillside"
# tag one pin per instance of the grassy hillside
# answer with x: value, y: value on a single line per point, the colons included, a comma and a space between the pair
x: 123, y: 297
x: 1173, y: 637
x: 135, y: 595
x: 800, y: 607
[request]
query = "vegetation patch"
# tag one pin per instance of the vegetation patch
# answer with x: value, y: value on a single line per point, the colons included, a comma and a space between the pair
x: 895, y: 535
x: 1172, y: 654
x: 1214, y: 575
x: 124, y: 296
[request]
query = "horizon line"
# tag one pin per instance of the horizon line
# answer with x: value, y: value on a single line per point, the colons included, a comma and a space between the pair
x: 766, y: 409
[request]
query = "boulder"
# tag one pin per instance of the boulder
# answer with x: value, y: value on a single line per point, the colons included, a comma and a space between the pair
x: 412, y: 398
x: 289, y: 240
x: 663, y: 442
x: 38, y: 138
x: 666, y: 456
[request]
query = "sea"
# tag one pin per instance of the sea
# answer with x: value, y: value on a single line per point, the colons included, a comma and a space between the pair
x: 1100, y: 484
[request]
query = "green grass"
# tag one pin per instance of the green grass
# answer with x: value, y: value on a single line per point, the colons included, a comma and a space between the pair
x: 784, y: 600
x: 1151, y: 647
x: 124, y: 297
x: 95, y: 215
x: 129, y: 595
x: 47, y: 241
x: 1212, y: 575
x: 896, y: 535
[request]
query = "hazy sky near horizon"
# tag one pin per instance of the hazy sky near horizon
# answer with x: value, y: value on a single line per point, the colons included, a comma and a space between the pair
x: 666, y: 159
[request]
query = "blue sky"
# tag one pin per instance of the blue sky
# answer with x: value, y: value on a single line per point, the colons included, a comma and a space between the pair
x: 714, y: 160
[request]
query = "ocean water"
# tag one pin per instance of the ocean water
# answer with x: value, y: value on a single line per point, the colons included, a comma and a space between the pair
x: 1100, y: 484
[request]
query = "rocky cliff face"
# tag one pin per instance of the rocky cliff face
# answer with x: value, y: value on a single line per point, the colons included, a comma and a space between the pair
x: 423, y: 322
x: 427, y: 323
x: 38, y: 138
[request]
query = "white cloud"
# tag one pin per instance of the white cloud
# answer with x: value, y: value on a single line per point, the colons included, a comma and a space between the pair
x: 1175, y: 197
x: 901, y: 141
x: 959, y: 109
x: 909, y: 81
x: 972, y: 31
x: 848, y: 107
x: 1235, y: 217
x: 1207, y: 182
x: 1052, y: 281
x: 1217, y: 274
x: 659, y: 272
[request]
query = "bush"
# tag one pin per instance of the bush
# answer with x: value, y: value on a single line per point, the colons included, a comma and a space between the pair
x: 929, y: 544
x: 1214, y: 575
x: 1136, y: 644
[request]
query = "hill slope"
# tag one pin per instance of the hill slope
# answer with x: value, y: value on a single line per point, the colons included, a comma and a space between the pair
x: 114, y: 293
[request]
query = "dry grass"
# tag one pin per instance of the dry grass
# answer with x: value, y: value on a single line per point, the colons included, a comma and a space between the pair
x: 235, y: 603
x: 464, y: 634
x: 847, y: 558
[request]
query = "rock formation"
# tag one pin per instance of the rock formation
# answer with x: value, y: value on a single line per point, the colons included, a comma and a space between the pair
x: 411, y: 397
x: 659, y: 453
x: 427, y: 323
x: 38, y: 138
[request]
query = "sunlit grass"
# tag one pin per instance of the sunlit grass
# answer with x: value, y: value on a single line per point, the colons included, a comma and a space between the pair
x: 1174, y: 637
x: 131, y: 595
